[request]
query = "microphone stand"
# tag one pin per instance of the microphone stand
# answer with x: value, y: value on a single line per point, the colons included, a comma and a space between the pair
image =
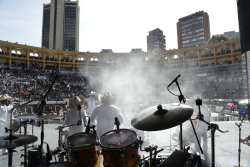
x: 39, y: 112
x: 239, y: 150
x: 182, y: 98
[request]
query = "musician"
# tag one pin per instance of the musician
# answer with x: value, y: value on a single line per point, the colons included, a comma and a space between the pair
x: 72, y: 115
x: 105, y: 113
x: 5, y: 108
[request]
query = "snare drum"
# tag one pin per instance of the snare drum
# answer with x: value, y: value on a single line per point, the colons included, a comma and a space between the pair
x: 120, y: 148
x: 82, y: 149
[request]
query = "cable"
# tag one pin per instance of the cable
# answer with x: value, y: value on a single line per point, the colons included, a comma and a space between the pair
x: 171, y: 92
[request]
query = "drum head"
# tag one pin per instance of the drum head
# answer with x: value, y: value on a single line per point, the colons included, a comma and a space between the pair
x: 80, y: 140
x: 118, y: 138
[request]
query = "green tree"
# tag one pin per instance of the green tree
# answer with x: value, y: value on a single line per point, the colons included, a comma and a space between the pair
x: 217, y: 38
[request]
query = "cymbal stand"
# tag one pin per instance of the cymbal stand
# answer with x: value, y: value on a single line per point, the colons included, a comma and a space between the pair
x: 211, y: 126
x: 246, y: 112
x: 24, y: 124
x: 182, y: 98
x: 239, y: 150
x: 10, y: 150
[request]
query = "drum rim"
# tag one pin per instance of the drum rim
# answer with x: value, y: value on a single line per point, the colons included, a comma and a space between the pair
x: 80, y: 148
x: 120, y: 148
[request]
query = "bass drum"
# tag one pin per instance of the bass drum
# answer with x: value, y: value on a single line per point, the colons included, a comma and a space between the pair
x: 82, y: 149
x: 120, y: 148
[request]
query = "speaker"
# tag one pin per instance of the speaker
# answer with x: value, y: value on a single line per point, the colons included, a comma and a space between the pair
x: 244, y: 24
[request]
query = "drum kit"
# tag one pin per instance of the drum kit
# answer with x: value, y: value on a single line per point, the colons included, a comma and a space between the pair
x: 119, y: 147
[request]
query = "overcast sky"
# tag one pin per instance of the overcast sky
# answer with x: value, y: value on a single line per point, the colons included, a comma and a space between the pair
x: 119, y: 25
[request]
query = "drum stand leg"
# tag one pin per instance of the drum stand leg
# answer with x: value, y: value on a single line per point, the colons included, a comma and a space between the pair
x: 239, y: 150
x: 10, y: 151
x: 25, y: 146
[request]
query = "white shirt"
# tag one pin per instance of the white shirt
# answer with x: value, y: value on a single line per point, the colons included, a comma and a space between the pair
x: 72, y: 117
x: 91, y: 105
x: 5, y: 110
x: 105, y: 117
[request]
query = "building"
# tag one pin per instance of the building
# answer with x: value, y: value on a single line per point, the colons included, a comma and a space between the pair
x: 193, y: 30
x: 61, y: 25
x: 232, y: 34
x: 156, y: 40
x: 136, y: 50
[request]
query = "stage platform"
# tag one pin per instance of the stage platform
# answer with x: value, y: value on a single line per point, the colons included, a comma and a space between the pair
x: 226, y: 144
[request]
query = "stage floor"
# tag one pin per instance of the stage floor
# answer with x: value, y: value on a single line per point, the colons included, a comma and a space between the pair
x: 226, y: 144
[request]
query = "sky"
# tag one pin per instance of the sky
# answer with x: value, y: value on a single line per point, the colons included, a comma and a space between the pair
x: 116, y: 24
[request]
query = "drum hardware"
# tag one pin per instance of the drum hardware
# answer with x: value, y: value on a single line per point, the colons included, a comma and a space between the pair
x: 211, y: 126
x: 239, y: 150
x: 11, y: 141
x: 62, y: 156
x: 151, y: 161
x: 117, y: 123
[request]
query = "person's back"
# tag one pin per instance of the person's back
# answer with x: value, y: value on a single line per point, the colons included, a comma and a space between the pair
x: 105, y: 114
x: 72, y: 117
x: 105, y: 117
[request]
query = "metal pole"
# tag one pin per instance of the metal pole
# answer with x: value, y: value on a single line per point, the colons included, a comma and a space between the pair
x: 239, y: 147
x: 212, y: 147
x: 25, y: 146
x: 181, y: 142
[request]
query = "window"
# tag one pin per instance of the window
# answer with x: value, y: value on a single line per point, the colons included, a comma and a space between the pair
x: 193, y: 44
x: 13, y: 51
x: 192, y: 36
x: 192, y: 28
x: 193, y: 32
x: 190, y: 21
x: 193, y: 24
x: 156, y: 31
x: 31, y: 54
x: 192, y: 40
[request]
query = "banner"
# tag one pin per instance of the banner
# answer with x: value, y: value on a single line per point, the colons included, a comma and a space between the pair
x: 202, y: 75
x: 41, y: 77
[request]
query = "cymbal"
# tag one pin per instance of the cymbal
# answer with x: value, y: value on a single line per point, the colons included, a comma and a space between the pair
x: 164, y: 117
x: 40, y: 117
x: 16, y: 141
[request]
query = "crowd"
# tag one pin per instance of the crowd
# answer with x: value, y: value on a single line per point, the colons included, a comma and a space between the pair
x: 29, y: 84
x: 24, y: 83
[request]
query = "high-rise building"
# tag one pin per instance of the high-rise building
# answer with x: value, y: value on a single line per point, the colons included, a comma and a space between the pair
x: 232, y: 34
x: 156, y: 40
x: 61, y: 25
x: 193, y: 30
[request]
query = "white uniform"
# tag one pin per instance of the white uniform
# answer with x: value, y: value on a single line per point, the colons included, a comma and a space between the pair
x: 105, y: 117
x: 72, y: 117
x: 5, y: 119
x: 201, y: 129
x: 91, y: 105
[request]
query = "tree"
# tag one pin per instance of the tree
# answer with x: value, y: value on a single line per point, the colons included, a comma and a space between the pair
x: 217, y: 38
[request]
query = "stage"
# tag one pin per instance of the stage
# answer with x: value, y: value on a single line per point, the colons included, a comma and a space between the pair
x: 226, y: 144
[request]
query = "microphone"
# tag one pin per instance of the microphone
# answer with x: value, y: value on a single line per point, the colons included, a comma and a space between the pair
x: 174, y: 80
x: 88, y: 127
x: 117, y: 122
